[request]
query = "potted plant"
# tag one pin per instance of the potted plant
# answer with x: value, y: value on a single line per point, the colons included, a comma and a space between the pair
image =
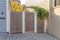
x: 41, y: 13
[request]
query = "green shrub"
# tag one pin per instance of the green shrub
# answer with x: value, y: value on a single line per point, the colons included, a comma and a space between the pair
x: 41, y: 12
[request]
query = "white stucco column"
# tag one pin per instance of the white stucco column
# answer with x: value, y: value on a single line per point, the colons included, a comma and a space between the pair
x: 45, y: 25
x: 35, y: 23
x: 7, y: 16
x: 23, y: 17
x: 23, y: 22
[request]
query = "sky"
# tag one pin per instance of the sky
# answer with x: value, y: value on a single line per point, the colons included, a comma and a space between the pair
x: 23, y: 1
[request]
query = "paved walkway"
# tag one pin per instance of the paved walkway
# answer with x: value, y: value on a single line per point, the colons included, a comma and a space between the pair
x: 26, y: 36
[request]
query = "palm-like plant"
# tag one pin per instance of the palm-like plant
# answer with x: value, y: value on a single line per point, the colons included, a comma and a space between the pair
x: 41, y: 12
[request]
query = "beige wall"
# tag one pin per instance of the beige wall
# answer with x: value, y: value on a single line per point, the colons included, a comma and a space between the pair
x: 54, y: 21
x: 42, y: 3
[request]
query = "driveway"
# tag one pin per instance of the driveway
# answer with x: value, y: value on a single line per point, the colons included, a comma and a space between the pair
x: 26, y: 36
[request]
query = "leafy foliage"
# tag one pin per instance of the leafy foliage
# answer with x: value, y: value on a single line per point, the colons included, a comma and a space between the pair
x: 41, y: 12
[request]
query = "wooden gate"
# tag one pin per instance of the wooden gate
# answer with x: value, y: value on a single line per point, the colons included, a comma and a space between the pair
x: 15, y: 22
x: 29, y: 22
x: 40, y: 25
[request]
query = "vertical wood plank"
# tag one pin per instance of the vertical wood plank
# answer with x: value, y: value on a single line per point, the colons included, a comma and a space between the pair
x: 19, y: 22
x: 40, y: 25
x: 13, y: 22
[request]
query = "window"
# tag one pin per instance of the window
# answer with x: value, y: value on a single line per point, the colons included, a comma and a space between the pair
x: 57, y: 2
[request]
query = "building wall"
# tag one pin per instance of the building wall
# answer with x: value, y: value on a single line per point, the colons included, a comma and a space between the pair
x: 41, y: 3
x: 2, y: 15
x: 54, y: 27
x: 54, y: 21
